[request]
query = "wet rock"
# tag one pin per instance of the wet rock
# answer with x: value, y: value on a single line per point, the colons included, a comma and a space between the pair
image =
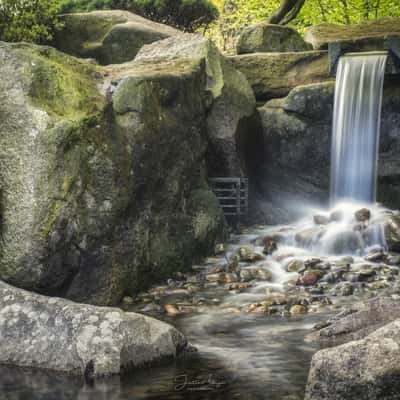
x: 312, y: 262
x: 229, y: 277
x: 233, y: 265
x: 343, y: 289
x: 361, y: 369
x: 151, y: 307
x: 392, y: 233
x: 215, y: 277
x: 237, y: 286
x: 246, y: 275
x: 219, y: 249
x: 127, y: 300
x: 331, y: 277
x: 249, y: 255
x: 362, y: 215
x: 309, y: 278
x: 393, y: 259
x: 216, y: 269
x: 377, y: 285
x: 60, y: 335
x: 321, y: 220
x: 298, y: 309
x: 270, y: 246
x: 375, y: 256
x: 171, y: 310
x: 295, y: 266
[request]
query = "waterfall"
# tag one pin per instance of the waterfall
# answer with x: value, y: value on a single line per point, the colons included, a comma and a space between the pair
x: 356, y: 125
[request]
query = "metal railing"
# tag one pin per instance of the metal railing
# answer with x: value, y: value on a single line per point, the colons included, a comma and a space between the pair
x: 232, y: 195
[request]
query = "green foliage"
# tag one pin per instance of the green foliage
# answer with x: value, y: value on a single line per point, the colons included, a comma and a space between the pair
x: 343, y: 12
x: 235, y: 15
x: 30, y: 21
x: 188, y: 15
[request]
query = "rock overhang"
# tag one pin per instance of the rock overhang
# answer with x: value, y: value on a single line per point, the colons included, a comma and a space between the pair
x: 389, y: 44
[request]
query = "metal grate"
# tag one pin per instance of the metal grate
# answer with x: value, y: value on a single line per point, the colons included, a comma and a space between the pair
x: 232, y: 195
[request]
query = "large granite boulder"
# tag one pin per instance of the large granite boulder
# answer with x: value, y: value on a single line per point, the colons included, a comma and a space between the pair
x: 226, y: 91
x: 57, y: 334
x: 110, y: 37
x: 273, y: 75
x: 363, y: 369
x: 356, y: 322
x: 102, y: 192
x: 321, y: 35
x: 270, y: 38
x: 297, y: 137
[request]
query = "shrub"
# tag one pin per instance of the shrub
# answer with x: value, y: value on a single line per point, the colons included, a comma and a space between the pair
x: 30, y: 21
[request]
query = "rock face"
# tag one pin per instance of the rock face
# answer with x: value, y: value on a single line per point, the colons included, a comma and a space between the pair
x: 270, y: 38
x: 110, y: 37
x: 358, y: 322
x: 321, y: 35
x: 57, y: 334
x: 274, y: 75
x: 362, y: 369
x: 298, y: 169
x: 101, y: 195
x: 227, y: 92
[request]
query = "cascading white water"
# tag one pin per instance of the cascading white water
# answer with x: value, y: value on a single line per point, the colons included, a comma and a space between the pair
x: 356, y: 124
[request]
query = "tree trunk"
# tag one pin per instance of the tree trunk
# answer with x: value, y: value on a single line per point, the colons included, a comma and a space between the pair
x: 287, y: 11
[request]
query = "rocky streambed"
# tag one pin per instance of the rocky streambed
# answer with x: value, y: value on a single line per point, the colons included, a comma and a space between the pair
x: 248, y: 311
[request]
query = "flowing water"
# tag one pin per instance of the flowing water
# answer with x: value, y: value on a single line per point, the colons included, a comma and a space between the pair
x: 356, y: 123
x: 262, y: 356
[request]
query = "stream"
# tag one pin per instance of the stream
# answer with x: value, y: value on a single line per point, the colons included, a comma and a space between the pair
x: 245, y: 312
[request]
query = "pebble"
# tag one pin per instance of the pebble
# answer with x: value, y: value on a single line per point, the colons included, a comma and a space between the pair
x: 298, y: 309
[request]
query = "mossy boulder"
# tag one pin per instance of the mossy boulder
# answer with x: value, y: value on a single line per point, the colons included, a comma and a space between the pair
x: 103, y: 187
x: 319, y: 36
x: 227, y: 96
x: 110, y: 37
x: 274, y: 75
x: 270, y: 38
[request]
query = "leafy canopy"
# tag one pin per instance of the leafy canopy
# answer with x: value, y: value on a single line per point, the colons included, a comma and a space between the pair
x: 29, y: 20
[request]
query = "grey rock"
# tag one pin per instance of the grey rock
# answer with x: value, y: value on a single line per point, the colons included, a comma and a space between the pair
x: 362, y: 369
x: 270, y: 38
x: 321, y: 35
x: 231, y: 102
x: 361, y: 320
x: 273, y: 75
x: 97, y: 195
x: 108, y: 36
x: 57, y: 334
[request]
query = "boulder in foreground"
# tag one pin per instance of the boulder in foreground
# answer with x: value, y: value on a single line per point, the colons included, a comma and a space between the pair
x: 57, y: 334
x: 362, y: 369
